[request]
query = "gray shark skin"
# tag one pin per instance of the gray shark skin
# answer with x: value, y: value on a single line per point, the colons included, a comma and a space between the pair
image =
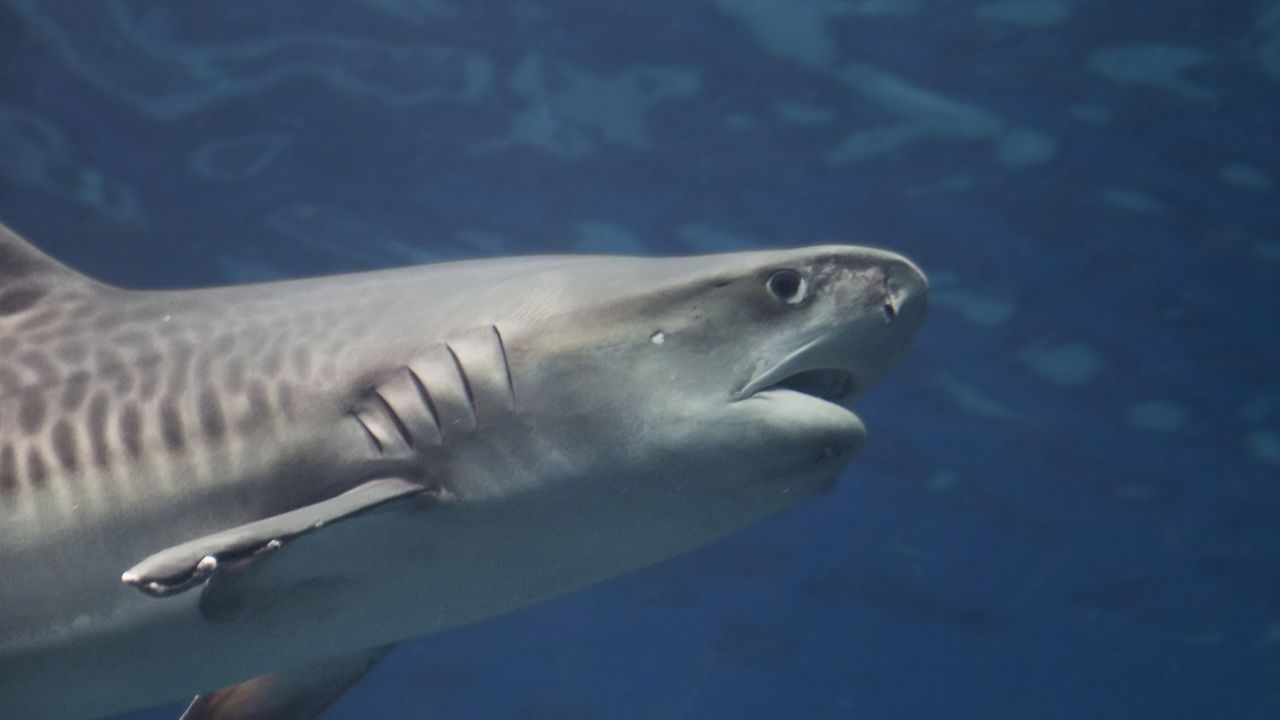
x: 205, y: 486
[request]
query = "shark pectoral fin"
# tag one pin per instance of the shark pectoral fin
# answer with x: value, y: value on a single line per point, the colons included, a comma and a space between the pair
x: 184, y: 566
x: 299, y: 694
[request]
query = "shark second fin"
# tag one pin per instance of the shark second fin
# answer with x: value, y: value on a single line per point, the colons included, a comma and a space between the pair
x: 184, y: 566
x: 299, y: 694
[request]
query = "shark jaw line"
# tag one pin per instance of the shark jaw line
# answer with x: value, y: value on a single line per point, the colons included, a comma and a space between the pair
x: 800, y: 373
x: 833, y: 385
x: 803, y: 380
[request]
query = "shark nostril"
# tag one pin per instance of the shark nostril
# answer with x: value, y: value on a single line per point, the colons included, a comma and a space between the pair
x: 890, y: 308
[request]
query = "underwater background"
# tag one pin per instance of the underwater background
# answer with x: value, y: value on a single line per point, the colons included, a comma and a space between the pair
x: 1069, y: 506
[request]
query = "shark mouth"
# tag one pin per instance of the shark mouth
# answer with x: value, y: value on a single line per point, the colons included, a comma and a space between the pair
x: 830, y: 384
x: 802, y: 371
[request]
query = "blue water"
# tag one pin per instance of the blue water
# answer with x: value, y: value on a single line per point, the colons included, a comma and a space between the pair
x: 1070, y: 503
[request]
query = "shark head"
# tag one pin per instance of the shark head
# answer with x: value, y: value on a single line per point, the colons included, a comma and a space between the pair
x: 718, y: 389
x: 397, y: 452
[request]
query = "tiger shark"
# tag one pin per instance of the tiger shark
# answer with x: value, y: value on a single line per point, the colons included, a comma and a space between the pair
x: 250, y: 493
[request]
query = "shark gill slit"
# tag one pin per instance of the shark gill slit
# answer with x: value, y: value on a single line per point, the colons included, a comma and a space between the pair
x: 506, y: 364
x: 373, y: 439
x: 425, y: 396
x: 466, y: 383
x: 395, y: 419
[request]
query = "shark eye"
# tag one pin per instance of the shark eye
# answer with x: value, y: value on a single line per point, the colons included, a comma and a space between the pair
x: 787, y: 286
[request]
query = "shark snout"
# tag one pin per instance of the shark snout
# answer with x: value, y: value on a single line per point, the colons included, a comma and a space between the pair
x: 883, y: 303
x: 905, y: 291
x: 884, y: 284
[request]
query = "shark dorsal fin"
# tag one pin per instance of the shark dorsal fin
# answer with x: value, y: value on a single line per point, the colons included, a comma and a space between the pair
x: 26, y: 273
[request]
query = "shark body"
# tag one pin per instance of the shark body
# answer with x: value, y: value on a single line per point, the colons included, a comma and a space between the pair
x: 279, y: 481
